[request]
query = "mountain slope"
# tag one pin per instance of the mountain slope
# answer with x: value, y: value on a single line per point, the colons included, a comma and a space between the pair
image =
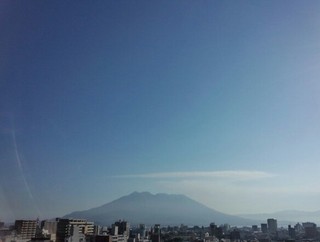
x: 160, y: 208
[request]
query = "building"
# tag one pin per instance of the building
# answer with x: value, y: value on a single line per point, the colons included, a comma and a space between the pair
x: 255, y: 228
x: 291, y: 232
x: 75, y: 235
x: 119, y: 238
x: 298, y: 228
x: 123, y: 227
x: 67, y: 227
x: 103, y: 238
x: 272, y: 226
x: 310, y: 230
x: 114, y: 229
x: 264, y: 228
x: 26, y: 229
x: 142, y: 231
x: 235, y: 235
x: 50, y: 227
x: 156, y: 233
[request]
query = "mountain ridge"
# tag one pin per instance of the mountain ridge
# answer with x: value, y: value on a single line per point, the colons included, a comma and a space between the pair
x: 166, y: 209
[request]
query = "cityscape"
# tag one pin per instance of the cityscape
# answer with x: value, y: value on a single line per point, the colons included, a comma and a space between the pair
x: 81, y: 230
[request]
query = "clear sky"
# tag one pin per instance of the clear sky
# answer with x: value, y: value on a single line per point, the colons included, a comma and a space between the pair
x: 217, y: 100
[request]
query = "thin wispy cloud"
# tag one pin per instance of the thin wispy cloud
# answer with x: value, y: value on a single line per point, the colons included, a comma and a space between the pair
x: 228, y: 174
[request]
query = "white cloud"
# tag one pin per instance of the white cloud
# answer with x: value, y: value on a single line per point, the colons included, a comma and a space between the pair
x: 228, y: 174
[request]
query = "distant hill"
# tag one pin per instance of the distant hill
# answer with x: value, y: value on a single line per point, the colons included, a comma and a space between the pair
x: 294, y: 216
x: 161, y: 208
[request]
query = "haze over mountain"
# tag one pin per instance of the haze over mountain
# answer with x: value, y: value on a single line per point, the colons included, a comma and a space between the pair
x: 160, y: 208
x: 294, y: 216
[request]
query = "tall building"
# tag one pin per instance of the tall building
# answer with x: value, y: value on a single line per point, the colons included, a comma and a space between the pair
x: 218, y: 231
x: 264, y: 228
x: 26, y: 229
x: 213, y: 229
x: 272, y: 225
x: 156, y: 233
x: 114, y: 229
x: 123, y: 227
x: 67, y: 227
x: 142, y: 230
x: 291, y: 232
x: 76, y: 235
x: 50, y: 227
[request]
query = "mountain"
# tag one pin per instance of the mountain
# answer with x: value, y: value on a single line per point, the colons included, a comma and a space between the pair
x: 294, y: 216
x: 161, y: 208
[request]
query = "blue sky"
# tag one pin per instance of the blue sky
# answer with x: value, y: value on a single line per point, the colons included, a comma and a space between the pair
x: 216, y: 100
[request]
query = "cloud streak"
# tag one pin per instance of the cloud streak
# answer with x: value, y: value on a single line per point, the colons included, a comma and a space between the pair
x: 227, y: 174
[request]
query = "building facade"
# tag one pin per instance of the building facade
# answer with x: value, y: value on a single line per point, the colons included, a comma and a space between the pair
x: 66, y: 228
x: 272, y: 225
x: 26, y: 229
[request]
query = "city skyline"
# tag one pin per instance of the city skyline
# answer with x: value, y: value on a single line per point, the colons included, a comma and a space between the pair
x: 218, y: 101
x: 121, y: 230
